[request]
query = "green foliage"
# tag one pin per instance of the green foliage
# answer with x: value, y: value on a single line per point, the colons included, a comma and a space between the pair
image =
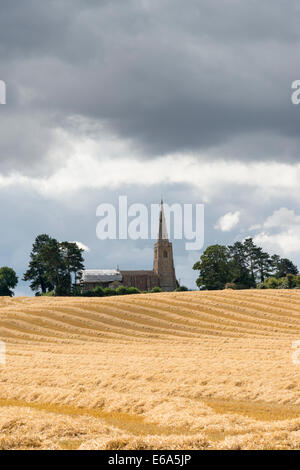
x: 52, y: 265
x: 261, y: 285
x: 243, y: 266
x: 291, y: 281
x: 273, y: 283
x: 181, y: 289
x: 87, y: 293
x: 76, y: 290
x: 101, y: 292
x: 156, y: 289
x: 8, y: 281
x: 283, y: 266
x: 48, y: 294
x: 133, y: 290
x: 73, y: 259
x: 239, y: 272
x: 108, y: 291
x: 98, y: 291
x: 37, y: 270
x: 64, y: 285
x: 122, y: 290
x: 214, y: 267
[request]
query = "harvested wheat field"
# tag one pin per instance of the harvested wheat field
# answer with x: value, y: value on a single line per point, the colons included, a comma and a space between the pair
x: 188, y: 370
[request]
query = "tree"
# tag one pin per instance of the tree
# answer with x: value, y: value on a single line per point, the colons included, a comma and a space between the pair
x: 291, y: 281
x: 242, y: 265
x: 263, y: 263
x: 37, y: 271
x: 240, y: 274
x: 53, y: 262
x: 250, y: 262
x: 73, y: 259
x: 275, y: 260
x: 251, y: 258
x: 284, y: 266
x: 52, y: 265
x: 8, y: 281
x: 213, y: 267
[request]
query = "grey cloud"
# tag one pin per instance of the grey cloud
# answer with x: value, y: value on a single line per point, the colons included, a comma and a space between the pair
x: 168, y: 75
x: 25, y: 142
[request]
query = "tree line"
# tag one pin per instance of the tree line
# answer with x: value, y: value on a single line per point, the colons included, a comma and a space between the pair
x: 55, y: 269
x: 243, y: 265
x: 123, y: 290
x: 54, y: 266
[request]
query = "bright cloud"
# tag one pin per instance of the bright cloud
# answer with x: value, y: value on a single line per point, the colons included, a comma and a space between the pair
x: 89, y: 167
x: 283, y: 232
x: 228, y: 221
x: 285, y: 242
x: 82, y: 246
x: 282, y: 218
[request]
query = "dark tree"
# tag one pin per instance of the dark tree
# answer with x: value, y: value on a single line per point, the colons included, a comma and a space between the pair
x: 251, y: 258
x: 263, y: 263
x: 37, y: 271
x: 275, y: 260
x: 213, y: 267
x: 285, y: 267
x: 240, y: 274
x: 52, y: 264
x: 8, y: 281
x: 73, y: 259
x: 241, y: 265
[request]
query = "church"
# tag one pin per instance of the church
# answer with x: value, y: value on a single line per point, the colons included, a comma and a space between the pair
x: 162, y: 275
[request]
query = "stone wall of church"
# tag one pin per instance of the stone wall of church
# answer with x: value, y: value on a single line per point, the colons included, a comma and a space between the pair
x: 142, y: 280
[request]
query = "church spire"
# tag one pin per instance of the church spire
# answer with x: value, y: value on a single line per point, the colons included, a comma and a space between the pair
x: 163, y: 232
x: 163, y: 263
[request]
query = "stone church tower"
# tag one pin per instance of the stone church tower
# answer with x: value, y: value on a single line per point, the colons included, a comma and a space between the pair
x: 163, y: 264
x: 162, y: 275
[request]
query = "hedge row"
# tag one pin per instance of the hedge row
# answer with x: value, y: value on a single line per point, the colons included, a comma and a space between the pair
x: 122, y: 290
x: 291, y: 281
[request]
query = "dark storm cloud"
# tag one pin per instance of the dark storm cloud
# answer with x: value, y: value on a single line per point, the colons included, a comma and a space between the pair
x: 169, y: 75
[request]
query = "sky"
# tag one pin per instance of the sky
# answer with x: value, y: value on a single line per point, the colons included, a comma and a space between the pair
x: 189, y: 100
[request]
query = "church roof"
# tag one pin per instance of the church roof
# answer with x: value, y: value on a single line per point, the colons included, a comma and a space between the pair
x: 140, y: 272
x: 101, y: 275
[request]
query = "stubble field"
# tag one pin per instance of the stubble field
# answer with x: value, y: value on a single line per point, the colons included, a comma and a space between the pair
x: 188, y: 370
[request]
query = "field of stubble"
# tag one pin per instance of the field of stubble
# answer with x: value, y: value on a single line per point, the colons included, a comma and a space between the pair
x: 191, y: 370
